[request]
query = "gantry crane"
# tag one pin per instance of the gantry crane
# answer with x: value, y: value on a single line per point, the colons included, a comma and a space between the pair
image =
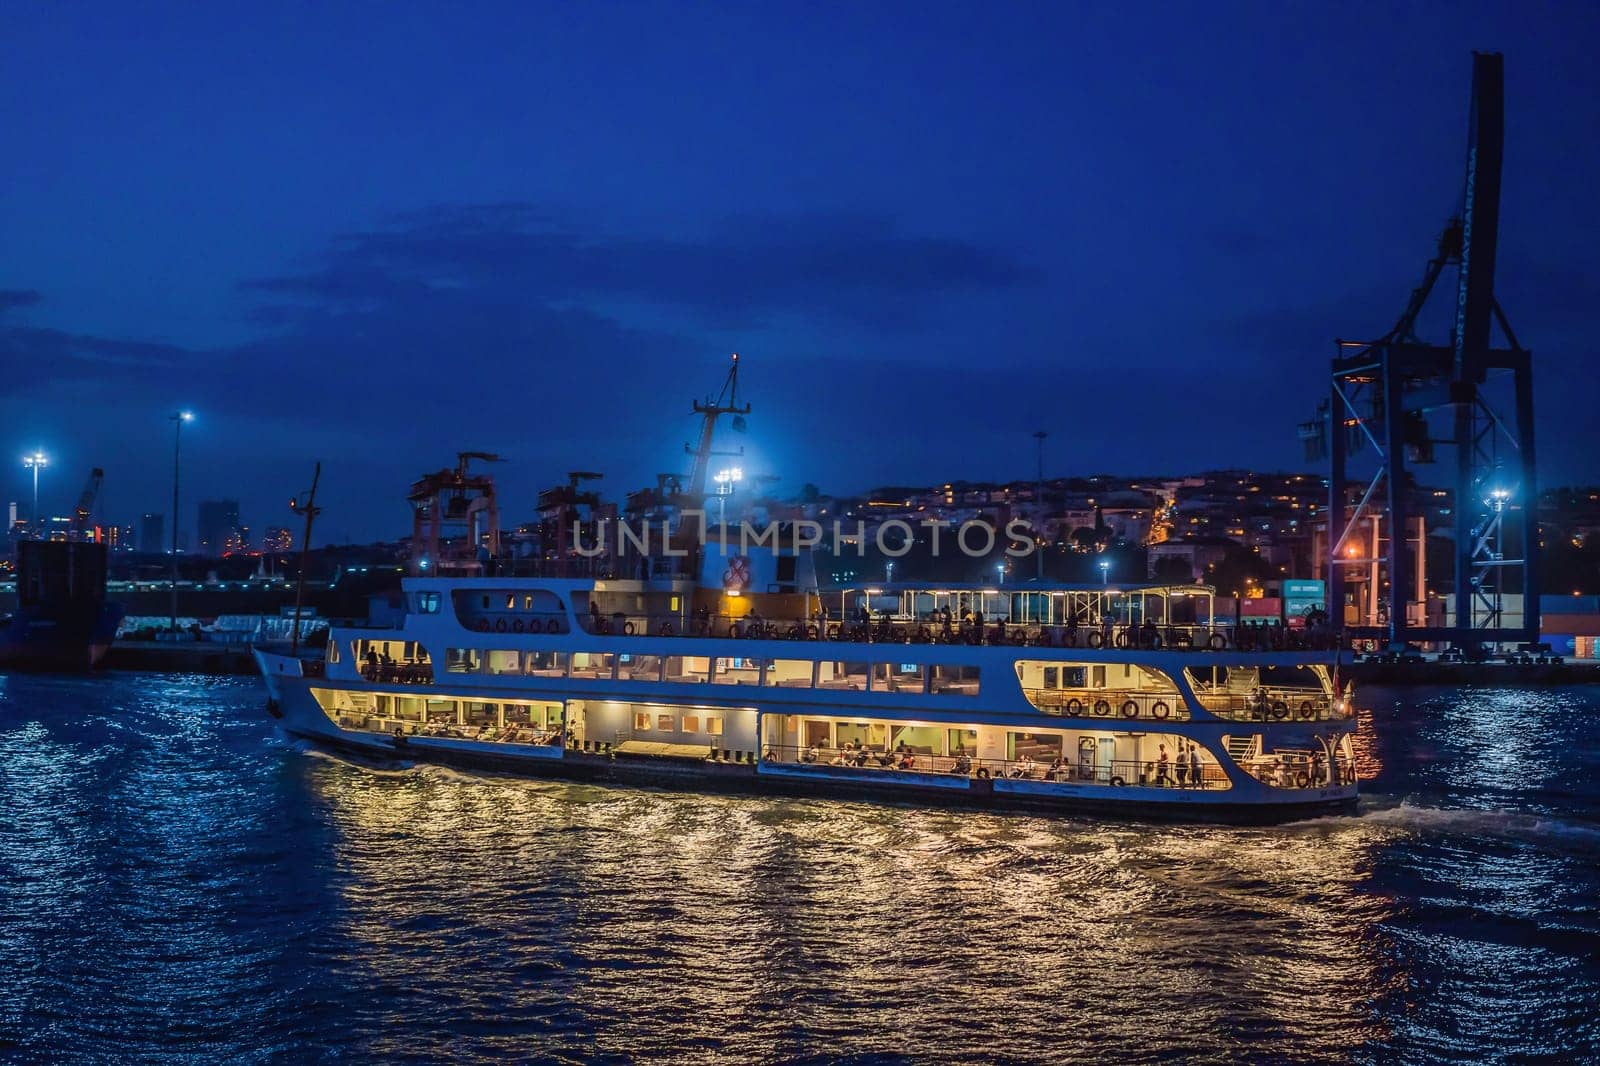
x: 1402, y: 397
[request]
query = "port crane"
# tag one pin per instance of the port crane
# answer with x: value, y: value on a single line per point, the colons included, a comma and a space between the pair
x: 80, y: 527
x: 453, y: 516
x: 1394, y: 401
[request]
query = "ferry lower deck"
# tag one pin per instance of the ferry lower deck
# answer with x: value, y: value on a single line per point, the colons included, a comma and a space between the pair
x: 1173, y: 769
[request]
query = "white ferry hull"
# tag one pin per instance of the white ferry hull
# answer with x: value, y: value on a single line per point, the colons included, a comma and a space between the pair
x: 299, y: 713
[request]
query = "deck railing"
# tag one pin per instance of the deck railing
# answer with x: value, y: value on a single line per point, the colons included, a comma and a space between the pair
x: 1149, y: 773
x: 910, y: 631
x: 1109, y: 703
x: 1275, y: 705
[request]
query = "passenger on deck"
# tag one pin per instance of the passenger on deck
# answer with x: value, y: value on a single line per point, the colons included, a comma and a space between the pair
x: 1163, y: 764
x: 908, y: 761
x: 1182, y: 768
x: 1194, y: 766
x: 811, y: 754
x: 1023, y: 767
x: 963, y: 764
x: 769, y: 756
x: 860, y: 756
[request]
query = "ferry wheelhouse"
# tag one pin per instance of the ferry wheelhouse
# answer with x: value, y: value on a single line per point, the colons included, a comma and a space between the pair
x: 710, y: 662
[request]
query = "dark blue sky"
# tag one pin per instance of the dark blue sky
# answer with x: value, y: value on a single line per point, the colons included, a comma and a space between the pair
x: 378, y: 233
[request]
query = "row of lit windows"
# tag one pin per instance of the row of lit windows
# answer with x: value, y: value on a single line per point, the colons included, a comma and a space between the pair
x: 718, y: 670
x: 662, y: 721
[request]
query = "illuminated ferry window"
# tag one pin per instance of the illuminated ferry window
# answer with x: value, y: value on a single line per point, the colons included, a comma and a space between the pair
x: 691, y: 723
x: 1052, y: 677
x: 835, y: 675
x: 639, y: 667
x: 593, y: 665
x: 954, y: 680
x: 545, y: 663
x: 961, y: 741
x: 687, y: 668
x: 505, y: 662
x: 641, y: 721
x: 426, y: 602
x: 666, y: 723
x: 461, y: 660
x: 713, y: 725
x: 790, y: 673
x: 511, y: 601
x: 737, y: 671
x: 480, y: 714
x: 897, y: 677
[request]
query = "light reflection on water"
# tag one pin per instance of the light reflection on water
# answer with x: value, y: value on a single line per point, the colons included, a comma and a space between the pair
x: 171, y: 860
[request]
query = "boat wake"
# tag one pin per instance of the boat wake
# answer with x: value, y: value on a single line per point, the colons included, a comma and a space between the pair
x: 1474, y: 822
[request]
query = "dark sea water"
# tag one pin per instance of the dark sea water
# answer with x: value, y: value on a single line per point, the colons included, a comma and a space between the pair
x: 178, y: 882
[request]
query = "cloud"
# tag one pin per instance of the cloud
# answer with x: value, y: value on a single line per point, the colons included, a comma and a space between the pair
x: 37, y: 357
x: 857, y: 267
x: 10, y: 298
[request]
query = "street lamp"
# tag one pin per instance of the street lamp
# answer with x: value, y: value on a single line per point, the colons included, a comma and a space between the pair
x: 1105, y: 572
x: 34, y: 462
x: 726, y: 480
x: 178, y: 418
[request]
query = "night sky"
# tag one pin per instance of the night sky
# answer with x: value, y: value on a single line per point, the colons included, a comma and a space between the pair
x: 375, y: 234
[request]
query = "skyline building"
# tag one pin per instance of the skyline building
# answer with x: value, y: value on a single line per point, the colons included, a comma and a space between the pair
x: 152, y: 533
x: 218, y: 521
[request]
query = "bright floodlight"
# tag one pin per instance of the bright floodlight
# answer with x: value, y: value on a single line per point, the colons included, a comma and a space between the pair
x: 723, y: 477
x: 37, y: 459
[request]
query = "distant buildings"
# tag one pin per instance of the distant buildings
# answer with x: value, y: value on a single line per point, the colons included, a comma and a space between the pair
x: 218, y: 525
x: 152, y: 530
x: 277, y: 539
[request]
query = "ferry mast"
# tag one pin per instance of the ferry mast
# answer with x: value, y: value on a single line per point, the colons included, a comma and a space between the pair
x: 726, y: 403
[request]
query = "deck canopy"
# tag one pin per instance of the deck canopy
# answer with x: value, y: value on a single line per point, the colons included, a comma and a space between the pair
x: 1036, y: 603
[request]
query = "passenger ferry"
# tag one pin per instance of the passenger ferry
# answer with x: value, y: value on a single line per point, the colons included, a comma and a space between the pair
x: 732, y: 667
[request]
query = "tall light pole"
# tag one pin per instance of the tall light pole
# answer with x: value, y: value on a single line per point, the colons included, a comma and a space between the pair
x: 1105, y: 572
x: 34, y: 462
x: 1038, y: 504
x: 178, y: 418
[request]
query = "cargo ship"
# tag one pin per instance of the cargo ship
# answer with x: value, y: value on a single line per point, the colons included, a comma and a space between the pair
x: 62, y: 620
